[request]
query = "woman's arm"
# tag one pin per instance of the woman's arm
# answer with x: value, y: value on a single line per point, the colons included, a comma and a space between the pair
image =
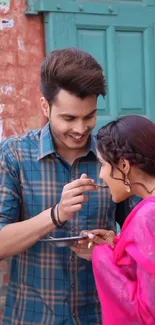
x: 126, y: 282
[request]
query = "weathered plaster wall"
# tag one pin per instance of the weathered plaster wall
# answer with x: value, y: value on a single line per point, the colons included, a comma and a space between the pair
x: 21, y: 52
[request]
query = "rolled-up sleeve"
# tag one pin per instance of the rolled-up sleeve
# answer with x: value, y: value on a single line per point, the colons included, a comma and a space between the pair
x: 10, y: 200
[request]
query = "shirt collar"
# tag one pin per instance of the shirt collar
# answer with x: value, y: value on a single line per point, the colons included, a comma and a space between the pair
x: 47, y: 145
x: 93, y: 145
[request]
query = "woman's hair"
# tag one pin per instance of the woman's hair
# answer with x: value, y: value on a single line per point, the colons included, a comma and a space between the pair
x: 132, y: 138
x: 73, y: 70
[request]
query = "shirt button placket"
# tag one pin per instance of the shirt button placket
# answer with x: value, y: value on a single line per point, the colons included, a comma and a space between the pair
x: 72, y: 258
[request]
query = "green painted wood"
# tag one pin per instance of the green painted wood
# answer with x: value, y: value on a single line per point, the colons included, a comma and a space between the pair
x: 123, y: 42
x: 31, y: 8
x: 68, y: 6
x: 144, y: 2
x: 84, y: 6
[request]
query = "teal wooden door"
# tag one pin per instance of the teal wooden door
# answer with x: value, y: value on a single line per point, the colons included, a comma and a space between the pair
x: 122, y: 38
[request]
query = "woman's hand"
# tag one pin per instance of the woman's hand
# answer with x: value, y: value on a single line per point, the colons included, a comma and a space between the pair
x: 102, y: 236
x: 85, y: 247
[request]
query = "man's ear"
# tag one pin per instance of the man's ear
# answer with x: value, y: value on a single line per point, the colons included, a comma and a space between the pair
x: 45, y: 107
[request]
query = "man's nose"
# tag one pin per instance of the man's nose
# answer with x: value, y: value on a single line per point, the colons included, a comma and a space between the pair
x: 80, y: 127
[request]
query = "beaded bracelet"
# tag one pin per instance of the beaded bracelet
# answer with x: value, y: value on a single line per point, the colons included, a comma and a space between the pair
x: 56, y: 221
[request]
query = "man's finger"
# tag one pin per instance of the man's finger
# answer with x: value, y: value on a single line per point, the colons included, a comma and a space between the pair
x: 80, y: 182
x: 80, y: 189
x: 84, y: 176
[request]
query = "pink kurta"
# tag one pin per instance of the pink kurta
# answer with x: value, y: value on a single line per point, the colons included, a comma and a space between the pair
x: 125, y: 274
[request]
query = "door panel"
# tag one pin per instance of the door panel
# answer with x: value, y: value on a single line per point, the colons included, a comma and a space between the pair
x: 85, y: 39
x: 124, y: 45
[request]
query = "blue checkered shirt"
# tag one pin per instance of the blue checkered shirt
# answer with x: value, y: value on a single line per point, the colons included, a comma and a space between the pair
x: 49, y: 285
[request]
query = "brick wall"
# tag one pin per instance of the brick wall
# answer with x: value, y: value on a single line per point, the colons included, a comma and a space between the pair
x: 4, y: 276
x: 21, y: 52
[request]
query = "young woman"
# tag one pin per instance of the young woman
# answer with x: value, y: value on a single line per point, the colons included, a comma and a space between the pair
x: 125, y: 273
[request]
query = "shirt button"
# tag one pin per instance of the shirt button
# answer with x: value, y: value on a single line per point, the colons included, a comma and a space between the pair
x: 73, y: 285
x: 73, y: 229
x: 72, y: 258
x: 73, y: 314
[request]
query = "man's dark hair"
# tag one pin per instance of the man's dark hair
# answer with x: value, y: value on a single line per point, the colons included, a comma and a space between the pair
x: 73, y: 70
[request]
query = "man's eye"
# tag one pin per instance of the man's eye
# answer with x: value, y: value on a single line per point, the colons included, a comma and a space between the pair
x: 67, y: 118
x: 89, y: 117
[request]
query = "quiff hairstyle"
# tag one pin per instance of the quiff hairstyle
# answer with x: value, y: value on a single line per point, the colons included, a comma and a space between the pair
x: 73, y: 70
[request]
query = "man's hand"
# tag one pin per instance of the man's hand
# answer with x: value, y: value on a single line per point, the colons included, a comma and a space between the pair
x: 73, y: 196
x: 95, y: 237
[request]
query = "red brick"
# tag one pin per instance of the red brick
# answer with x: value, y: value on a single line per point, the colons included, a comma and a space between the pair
x: 21, y: 53
x: 10, y: 111
x: 6, y: 278
x: 23, y: 59
x: 8, y: 75
x: 2, y: 303
x: 18, y: 6
x: 8, y: 58
x: 3, y: 265
x: 7, y: 40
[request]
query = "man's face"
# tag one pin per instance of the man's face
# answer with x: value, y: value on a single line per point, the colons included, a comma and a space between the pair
x: 72, y: 119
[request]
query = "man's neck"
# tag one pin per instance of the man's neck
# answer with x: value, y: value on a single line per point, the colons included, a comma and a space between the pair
x: 71, y: 155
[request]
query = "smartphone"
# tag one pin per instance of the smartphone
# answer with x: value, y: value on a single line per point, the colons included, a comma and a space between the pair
x: 64, y: 241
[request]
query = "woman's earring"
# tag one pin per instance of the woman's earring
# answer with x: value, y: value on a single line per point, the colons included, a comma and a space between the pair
x: 127, y: 184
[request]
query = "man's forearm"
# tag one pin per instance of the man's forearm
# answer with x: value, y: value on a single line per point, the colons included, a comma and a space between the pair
x: 17, y: 237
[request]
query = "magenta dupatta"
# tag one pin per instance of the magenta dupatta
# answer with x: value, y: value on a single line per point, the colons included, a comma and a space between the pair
x: 125, y: 274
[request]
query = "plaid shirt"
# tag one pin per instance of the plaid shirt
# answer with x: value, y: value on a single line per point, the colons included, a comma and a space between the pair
x: 49, y: 285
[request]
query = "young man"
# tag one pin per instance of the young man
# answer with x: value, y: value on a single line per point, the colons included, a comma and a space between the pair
x: 41, y: 188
